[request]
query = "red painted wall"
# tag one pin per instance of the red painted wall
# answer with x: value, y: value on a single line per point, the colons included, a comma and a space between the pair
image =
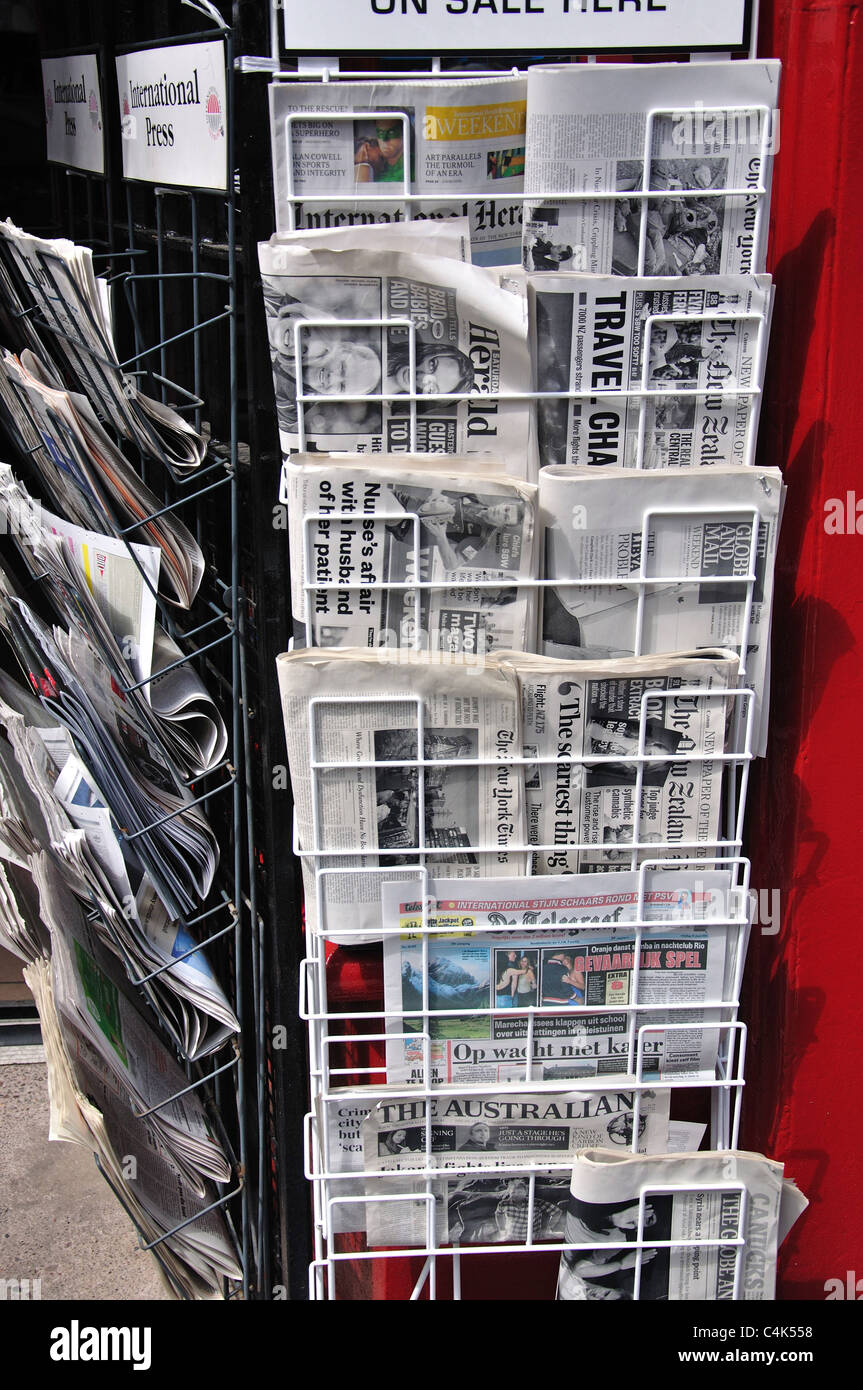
x: 804, y: 998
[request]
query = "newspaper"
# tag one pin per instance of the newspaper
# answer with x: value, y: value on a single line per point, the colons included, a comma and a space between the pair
x: 345, y: 708
x: 620, y: 1204
x: 119, y: 1043
x: 192, y: 726
x: 122, y: 579
x: 466, y: 326
x: 49, y: 803
x: 594, y: 713
x: 339, y: 1121
x: 84, y: 474
x: 125, y: 760
x: 193, y: 1005
x: 107, y: 590
x: 450, y: 239
x: 462, y: 1134
x: 53, y: 282
x: 436, y: 524
x: 154, y: 1191
x: 622, y: 526
x: 710, y: 130
x: 488, y: 967
x: 691, y: 348
x: 462, y: 142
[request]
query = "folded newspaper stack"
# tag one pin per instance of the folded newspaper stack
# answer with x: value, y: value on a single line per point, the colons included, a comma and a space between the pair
x: 118, y: 1042
x: 106, y: 588
x: 625, y: 756
x: 661, y: 562
x: 87, y: 1109
x: 502, y: 952
x: 51, y: 286
x: 352, y: 153
x: 351, y: 330
x: 698, y: 137
x: 363, y: 531
x: 627, y: 1216
x: 398, y: 759
x: 467, y: 1135
x: 84, y: 475
x: 52, y: 805
x: 125, y: 764
x: 667, y: 374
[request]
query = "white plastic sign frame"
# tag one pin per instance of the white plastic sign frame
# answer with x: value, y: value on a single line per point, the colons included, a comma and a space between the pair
x: 546, y: 26
x: 173, y: 116
x: 74, y: 115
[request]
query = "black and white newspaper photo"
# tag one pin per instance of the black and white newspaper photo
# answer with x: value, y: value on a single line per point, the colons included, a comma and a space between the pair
x: 587, y: 722
x: 362, y: 530
x: 462, y: 1134
x: 717, y: 1220
x: 664, y: 128
x: 352, y: 331
x: 379, y: 806
x: 695, y: 537
x: 691, y: 356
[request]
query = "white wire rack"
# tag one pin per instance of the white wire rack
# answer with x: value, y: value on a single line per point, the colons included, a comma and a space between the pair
x: 642, y: 394
x: 348, y: 1043
x: 348, y: 1066
x: 754, y: 191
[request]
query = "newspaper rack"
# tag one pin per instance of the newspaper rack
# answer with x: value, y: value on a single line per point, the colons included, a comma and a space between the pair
x: 346, y: 1066
x: 346, y: 1061
x: 346, y: 1044
x: 214, y: 642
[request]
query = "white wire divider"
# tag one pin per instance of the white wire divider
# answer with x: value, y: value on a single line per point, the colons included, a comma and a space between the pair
x: 348, y: 1044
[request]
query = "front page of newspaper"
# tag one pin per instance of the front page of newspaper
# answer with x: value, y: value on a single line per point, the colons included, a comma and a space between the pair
x: 589, y: 132
x: 400, y: 520
x: 698, y: 530
x: 377, y: 797
x: 461, y: 142
x: 695, y: 346
x: 455, y: 330
x: 599, y: 714
x: 487, y: 966
x: 620, y: 1204
x: 537, y: 1133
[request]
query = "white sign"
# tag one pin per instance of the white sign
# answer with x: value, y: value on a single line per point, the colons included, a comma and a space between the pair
x: 438, y: 26
x: 173, y: 115
x: 73, y: 112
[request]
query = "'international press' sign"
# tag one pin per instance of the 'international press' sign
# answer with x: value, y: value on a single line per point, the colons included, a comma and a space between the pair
x: 73, y: 112
x: 172, y: 115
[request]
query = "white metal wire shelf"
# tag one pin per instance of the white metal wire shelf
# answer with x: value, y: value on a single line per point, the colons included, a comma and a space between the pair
x: 348, y: 1061
x: 324, y: 1268
x: 754, y: 191
x: 641, y: 394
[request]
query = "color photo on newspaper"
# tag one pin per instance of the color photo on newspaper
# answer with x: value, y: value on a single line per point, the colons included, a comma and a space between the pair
x: 489, y: 966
